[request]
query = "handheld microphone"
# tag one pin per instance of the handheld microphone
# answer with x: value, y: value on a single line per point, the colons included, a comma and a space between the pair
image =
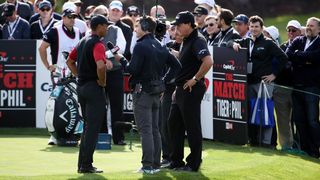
x: 112, y: 50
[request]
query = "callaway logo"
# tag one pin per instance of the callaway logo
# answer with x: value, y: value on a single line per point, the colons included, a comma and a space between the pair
x: 3, y: 57
x: 202, y: 51
x: 62, y: 116
x: 72, y: 108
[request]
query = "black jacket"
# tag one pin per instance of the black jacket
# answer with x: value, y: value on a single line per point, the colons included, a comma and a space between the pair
x: 305, y: 63
x: 263, y: 52
x: 127, y: 32
x: 225, y: 37
x: 149, y: 61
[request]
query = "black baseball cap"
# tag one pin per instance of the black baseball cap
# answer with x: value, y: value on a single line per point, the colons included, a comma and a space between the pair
x: 184, y: 17
x: 8, y: 9
x: 44, y: 4
x: 201, y: 10
x: 133, y: 10
x: 99, y: 19
x: 241, y: 18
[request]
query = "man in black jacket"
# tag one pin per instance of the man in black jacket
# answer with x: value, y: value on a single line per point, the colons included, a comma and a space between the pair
x: 261, y: 52
x: 147, y: 68
x: 304, y: 52
x: 227, y: 33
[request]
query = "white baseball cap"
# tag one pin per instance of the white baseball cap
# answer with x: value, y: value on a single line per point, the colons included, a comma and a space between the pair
x: 210, y: 3
x: 116, y: 5
x: 273, y: 31
x: 69, y: 5
x: 294, y: 23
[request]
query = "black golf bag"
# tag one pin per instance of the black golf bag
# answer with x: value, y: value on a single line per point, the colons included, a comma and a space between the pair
x: 63, y: 115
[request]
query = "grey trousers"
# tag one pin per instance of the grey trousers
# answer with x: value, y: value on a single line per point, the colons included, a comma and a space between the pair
x: 146, y: 113
x: 283, y: 105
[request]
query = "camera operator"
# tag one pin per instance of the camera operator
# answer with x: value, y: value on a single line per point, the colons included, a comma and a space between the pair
x: 147, y: 67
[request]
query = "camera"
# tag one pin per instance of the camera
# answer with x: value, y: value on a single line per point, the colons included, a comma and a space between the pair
x: 161, y: 28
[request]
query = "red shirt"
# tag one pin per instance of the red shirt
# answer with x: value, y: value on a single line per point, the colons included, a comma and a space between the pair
x: 99, y: 53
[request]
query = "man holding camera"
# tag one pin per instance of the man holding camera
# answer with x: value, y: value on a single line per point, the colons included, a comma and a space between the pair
x: 147, y: 67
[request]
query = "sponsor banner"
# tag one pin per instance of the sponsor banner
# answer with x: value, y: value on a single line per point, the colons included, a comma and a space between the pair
x: 127, y: 100
x: 43, y: 87
x: 206, y: 105
x: 17, y: 83
x: 230, y: 95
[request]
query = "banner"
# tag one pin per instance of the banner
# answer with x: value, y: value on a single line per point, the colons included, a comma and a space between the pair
x: 230, y: 95
x: 17, y: 83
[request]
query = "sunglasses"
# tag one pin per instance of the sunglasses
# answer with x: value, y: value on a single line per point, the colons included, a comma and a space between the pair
x: 135, y: 15
x: 211, y: 24
x: 198, y: 15
x: 45, y: 9
x: 71, y: 17
x: 291, y: 30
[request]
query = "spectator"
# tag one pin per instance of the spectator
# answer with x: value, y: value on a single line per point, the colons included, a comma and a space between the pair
x: 304, y: 52
x: 212, y: 7
x: 15, y: 27
x: 200, y: 13
x: 227, y: 33
x: 185, y: 112
x: 273, y: 33
x: 128, y: 21
x: 78, y: 4
x: 22, y: 9
x: 241, y: 25
x: 133, y: 12
x: 45, y: 22
x: 36, y: 16
x: 30, y: 3
x: 114, y: 85
x: 262, y: 51
x: 115, y: 13
x: 283, y: 96
x: 211, y: 30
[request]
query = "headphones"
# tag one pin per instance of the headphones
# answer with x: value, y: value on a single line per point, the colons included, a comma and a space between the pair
x: 144, y: 23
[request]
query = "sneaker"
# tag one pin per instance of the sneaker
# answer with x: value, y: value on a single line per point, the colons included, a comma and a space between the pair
x: 156, y: 170
x: 52, y: 141
x: 165, y: 163
x: 145, y: 170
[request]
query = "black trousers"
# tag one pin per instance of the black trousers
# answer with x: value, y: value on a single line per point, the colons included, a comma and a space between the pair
x: 185, y: 116
x: 92, y: 100
x: 114, y: 91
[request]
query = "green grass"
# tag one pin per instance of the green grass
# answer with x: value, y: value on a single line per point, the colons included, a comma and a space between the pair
x: 281, y: 22
x: 24, y: 154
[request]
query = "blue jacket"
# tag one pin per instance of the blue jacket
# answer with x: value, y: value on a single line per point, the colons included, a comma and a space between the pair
x: 22, y: 31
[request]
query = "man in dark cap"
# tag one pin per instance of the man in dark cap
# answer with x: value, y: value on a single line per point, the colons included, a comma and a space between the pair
x: 241, y: 24
x: 15, y: 27
x: 133, y: 12
x: 45, y: 22
x: 200, y: 13
x: 185, y: 112
x: 91, y: 72
x: 22, y: 9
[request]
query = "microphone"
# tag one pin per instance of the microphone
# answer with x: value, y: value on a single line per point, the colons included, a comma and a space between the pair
x: 114, y: 49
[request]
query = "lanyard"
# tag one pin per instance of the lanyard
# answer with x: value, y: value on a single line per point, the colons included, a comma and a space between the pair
x: 47, y: 28
x: 221, y: 40
x: 250, y: 48
x: 308, y: 43
x: 14, y: 27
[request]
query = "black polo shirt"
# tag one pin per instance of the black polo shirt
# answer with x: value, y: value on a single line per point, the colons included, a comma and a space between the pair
x: 35, y: 29
x: 194, y: 48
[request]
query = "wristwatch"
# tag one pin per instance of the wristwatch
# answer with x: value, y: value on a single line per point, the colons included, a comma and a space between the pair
x: 194, y: 77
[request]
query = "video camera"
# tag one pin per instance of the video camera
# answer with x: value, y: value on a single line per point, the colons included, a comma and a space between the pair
x: 161, y: 28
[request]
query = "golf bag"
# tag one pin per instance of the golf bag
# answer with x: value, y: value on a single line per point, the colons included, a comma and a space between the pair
x: 63, y: 115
